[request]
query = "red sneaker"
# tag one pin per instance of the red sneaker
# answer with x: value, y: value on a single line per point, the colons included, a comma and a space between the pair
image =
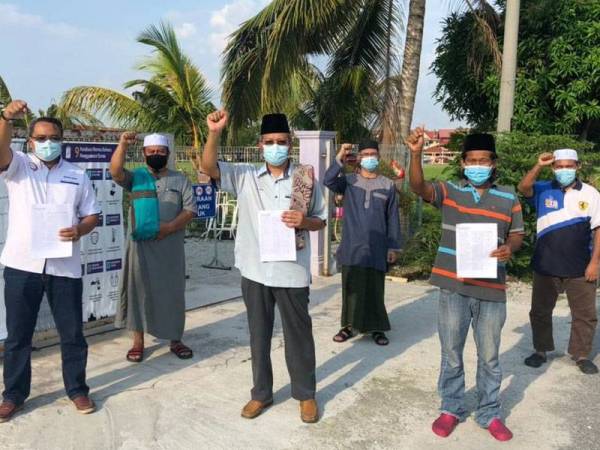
x: 444, y: 425
x: 499, y: 430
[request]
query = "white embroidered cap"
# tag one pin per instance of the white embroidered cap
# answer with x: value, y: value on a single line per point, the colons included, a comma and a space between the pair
x: 156, y: 139
x: 566, y: 153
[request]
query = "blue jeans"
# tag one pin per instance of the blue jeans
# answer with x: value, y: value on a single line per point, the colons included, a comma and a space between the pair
x: 23, y: 292
x: 455, y: 313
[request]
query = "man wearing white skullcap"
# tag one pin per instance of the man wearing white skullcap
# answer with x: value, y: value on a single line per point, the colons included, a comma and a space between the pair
x: 162, y: 204
x: 566, y: 256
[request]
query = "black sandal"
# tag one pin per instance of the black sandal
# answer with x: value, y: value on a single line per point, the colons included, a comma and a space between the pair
x: 181, y: 351
x: 535, y: 360
x: 380, y: 338
x: 343, y: 335
x: 587, y: 366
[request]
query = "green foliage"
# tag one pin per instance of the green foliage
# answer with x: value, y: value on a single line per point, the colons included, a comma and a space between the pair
x: 420, y: 251
x: 517, y: 154
x: 558, y: 80
x: 267, y: 64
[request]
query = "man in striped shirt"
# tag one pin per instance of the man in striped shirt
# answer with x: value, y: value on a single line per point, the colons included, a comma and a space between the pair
x: 465, y: 301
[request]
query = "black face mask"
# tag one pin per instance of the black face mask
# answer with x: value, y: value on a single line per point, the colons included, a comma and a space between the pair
x: 157, y: 162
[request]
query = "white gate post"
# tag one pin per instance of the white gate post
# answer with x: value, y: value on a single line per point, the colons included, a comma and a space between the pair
x: 317, y: 148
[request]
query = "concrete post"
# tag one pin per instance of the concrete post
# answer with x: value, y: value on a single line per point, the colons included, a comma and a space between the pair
x: 317, y: 148
x: 509, y: 66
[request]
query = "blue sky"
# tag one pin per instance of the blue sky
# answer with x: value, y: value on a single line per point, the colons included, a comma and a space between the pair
x: 50, y: 46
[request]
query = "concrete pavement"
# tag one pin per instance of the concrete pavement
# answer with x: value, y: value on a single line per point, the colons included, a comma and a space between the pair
x: 370, y: 397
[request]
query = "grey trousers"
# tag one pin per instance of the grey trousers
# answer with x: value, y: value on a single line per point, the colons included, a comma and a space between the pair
x: 297, y: 333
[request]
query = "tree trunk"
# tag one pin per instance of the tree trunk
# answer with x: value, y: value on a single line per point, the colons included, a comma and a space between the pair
x: 410, y: 64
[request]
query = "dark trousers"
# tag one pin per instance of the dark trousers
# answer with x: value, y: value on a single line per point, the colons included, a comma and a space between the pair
x: 23, y: 292
x: 581, y: 295
x: 297, y: 333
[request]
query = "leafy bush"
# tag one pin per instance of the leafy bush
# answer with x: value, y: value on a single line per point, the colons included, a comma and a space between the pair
x: 517, y: 153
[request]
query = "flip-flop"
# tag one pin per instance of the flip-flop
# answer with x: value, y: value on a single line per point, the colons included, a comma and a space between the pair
x: 343, y: 335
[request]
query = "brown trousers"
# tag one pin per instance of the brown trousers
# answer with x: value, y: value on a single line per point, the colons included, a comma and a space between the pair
x: 581, y: 295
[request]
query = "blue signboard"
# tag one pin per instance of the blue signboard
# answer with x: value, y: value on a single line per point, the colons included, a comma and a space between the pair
x: 206, y: 200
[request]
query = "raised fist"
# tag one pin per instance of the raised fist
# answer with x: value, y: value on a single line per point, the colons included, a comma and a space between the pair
x: 546, y: 159
x: 416, y: 140
x: 217, y: 121
x: 128, y: 138
x: 15, y: 110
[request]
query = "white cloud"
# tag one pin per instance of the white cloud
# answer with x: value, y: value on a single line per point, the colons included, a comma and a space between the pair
x: 11, y: 16
x: 227, y: 19
x: 185, y: 30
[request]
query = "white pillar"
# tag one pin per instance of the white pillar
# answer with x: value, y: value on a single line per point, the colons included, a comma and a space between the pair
x: 317, y: 148
x: 509, y: 66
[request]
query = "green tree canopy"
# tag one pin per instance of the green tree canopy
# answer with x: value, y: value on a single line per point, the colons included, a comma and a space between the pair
x: 558, y: 76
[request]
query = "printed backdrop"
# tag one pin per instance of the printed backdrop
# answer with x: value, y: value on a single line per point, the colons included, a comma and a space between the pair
x: 102, y: 250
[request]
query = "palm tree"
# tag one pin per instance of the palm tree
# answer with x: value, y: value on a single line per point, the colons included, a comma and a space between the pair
x: 410, y: 66
x: 175, y: 99
x: 5, y: 97
x: 267, y: 63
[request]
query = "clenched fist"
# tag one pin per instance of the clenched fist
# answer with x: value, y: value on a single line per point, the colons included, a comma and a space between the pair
x: 416, y: 140
x: 217, y: 121
x: 15, y: 110
x: 545, y: 159
x: 128, y: 138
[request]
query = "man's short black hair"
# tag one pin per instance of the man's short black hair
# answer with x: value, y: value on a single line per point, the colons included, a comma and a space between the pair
x: 51, y: 120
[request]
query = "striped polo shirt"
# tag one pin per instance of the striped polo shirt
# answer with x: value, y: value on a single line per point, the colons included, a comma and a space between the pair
x: 461, y: 203
x: 565, y: 221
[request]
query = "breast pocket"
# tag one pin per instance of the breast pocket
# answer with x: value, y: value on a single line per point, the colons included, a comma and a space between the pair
x: 171, y: 196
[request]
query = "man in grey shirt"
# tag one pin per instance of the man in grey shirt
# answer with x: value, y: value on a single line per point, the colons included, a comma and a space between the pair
x: 269, y: 187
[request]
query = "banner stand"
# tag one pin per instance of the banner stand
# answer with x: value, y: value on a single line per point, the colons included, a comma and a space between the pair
x: 215, y: 263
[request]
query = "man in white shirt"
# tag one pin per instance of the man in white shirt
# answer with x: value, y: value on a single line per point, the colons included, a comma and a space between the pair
x: 42, y: 177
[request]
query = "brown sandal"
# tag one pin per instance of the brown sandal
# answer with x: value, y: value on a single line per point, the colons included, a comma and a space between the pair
x: 343, y: 335
x: 135, y: 355
x: 181, y: 351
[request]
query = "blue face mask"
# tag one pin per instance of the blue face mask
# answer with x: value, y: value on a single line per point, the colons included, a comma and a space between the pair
x: 48, y: 150
x: 478, y: 175
x: 565, y: 176
x: 369, y: 163
x: 276, y: 154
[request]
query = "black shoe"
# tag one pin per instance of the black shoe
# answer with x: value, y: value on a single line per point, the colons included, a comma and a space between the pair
x: 535, y: 360
x: 587, y: 366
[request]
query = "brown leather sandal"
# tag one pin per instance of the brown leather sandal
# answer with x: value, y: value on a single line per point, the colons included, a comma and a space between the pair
x: 181, y: 350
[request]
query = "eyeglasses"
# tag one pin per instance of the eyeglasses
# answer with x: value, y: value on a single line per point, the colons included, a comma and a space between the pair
x: 478, y: 162
x: 273, y: 141
x: 42, y: 138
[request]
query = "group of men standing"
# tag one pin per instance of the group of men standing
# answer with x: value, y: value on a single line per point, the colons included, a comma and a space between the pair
x: 567, y: 257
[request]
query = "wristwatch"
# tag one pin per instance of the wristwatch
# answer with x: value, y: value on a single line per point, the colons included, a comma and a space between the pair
x: 3, y: 117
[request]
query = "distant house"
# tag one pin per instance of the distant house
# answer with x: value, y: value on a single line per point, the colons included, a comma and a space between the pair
x: 436, y: 142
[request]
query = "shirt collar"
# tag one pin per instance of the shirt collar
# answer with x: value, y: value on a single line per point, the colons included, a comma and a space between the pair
x: 577, y: 186
x: 40, y: 164
x: 264, y: 170
x: 465, y: 183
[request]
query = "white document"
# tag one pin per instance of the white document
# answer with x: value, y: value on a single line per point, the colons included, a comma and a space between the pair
x: 46, y: 222
x: 474, y: 244
x: 276, y: 240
